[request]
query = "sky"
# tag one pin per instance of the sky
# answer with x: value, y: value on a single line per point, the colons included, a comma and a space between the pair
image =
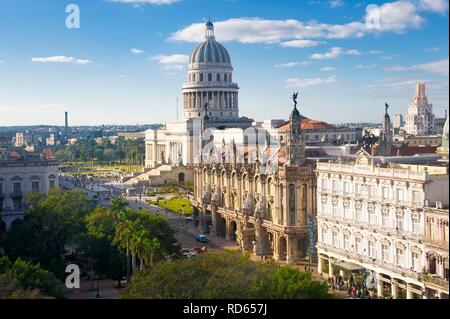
x: 127, y: 61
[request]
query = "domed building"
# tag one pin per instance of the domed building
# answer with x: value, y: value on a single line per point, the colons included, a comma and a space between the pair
x: 210, y: 91
x: 210, y: 99
x: 443, y: 149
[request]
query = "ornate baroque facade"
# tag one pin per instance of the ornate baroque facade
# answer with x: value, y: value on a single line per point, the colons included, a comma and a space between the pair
x: 264, y: 209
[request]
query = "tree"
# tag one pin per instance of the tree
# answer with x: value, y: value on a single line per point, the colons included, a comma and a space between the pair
x: 31, y: 276
x: 11, y: 289
x: 222, y: 275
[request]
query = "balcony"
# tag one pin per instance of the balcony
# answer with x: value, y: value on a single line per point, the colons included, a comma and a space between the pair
x: 435, y: 281
x: 16, y: 194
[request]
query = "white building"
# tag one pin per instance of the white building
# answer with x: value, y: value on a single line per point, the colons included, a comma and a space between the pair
x: 18, y: 177
x: 371, y: 218
x: 420, y: 118
x: 210, y: 99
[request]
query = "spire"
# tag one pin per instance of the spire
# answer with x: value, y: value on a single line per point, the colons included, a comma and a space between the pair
x: 209, y: 29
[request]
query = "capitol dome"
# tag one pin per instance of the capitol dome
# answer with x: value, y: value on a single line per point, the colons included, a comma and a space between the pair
x: 210, y: 92
x: 210, y: 51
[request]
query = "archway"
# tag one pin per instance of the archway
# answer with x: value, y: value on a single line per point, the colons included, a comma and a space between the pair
x: 221, y: 226
x: 432, y: 265
x: 232, y: 230
x: 16, y: 222
x: 282, y: 248
x: 181, y: 177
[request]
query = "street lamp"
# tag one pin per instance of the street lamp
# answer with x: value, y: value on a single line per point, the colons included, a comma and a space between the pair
x: 98, y: 287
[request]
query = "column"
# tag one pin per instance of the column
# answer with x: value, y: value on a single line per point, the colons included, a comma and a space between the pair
x: 394, y: 289
x: 330, y: 268
x: 379, y: 286
x: 426, y: 294
x: 409, y: 293
x: 228, y: 230
x: 319, y: 264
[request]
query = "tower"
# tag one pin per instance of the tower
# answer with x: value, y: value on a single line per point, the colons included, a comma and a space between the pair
x: 295, y: 141
x: 420, y: 118
x: 384, y: 145
x: 210, y: 81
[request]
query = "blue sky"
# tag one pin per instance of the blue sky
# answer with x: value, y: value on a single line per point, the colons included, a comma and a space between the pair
x: 127, y: 61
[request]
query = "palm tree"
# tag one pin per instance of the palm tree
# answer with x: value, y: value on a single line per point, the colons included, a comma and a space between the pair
x: 152, y: 250
x: 118, y: 207
x: 124, y: 235
x: 138, y: 242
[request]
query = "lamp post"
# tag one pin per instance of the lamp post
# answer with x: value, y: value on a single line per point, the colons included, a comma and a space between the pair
x: 98, y: 287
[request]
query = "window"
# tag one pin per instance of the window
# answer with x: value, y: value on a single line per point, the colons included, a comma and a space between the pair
x: 193, y: 77
x: 370, y: 191
x: 335, y: 186
x: 399, y: 194
x: 335, y: 239
x: 416, y: 261
x: 346, y: 188
x: 346, y: 242
x: 324, y: 235
x: 385, y: 220
x: 372, y: 218
x: 358, y: 243
x: 416, y: 197
x: 399, y: 222
x: 324, y: 184
x: 400, y: 255
x: 52, y: 182
x: 209, y: 77
x: 372, y: 249
x: 358, y: 215
x: 225, y: 78
x: 334, y: 210
x: 35, y: 186
x: 347, y: 213
x: 218, y: 77
x: 201, y: 77
x: 415, y: 225
x: 17, y: 187
x: 386, y: 253
x: 385, y: 193
x: 17, y: 202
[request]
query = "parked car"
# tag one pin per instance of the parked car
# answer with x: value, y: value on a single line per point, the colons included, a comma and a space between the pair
x: 199, y: 250
x: 107, y: 197
x: 202, y: 238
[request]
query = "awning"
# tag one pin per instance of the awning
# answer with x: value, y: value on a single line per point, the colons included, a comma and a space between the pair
x: 348, y: 266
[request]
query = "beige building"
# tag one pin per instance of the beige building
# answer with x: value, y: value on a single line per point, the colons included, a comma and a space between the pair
x: 18, y: 177
x: 371, y: 218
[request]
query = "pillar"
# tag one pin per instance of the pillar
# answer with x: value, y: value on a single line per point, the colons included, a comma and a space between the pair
x: 426, y: 294
x: 409, y: 293
x: 228, y: 231
x: 319, y: 264
x: 330, y: 268
x: 394, y: 290
x: 379, y: 286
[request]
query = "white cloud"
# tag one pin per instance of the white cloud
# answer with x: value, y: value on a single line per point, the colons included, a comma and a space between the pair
x: 435, y: 49
x: 61, y: 59
x: 301, y: 83
x: 171, y: 62
x: 141, y: 2
x: 440, y: 6
x: 136, y: 51
x: 438, y: 67
x: 335, y: 3
x: 1, y: 61
x: 299, y: 43
x: 397, y: 16
x: 291, y: 64
x: 375, y: 52
x: 394, y: 16
x: 365, y: 66
x: 327, y: 69
x: 334, y: 53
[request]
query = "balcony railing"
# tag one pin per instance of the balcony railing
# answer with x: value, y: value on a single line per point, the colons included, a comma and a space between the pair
x: 16, y: 194
x: 440, y: 282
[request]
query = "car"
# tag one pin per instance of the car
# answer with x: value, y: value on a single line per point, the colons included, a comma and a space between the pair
x: 199, y: 250
x: 202, y: 238
x: 190, y: 218
x: 106, y: 197
x: 94, y: 197
x: 189, y: 254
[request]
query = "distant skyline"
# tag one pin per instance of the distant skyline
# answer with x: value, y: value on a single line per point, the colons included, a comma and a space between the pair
x: 127, y: 61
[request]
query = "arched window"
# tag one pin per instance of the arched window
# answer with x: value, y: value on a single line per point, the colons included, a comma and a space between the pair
x: 218, y: 77
x: 292, y: 198
x: 201, y: 77
x: 209, y: 77
x: 193, y: 77
x: 225, y: 78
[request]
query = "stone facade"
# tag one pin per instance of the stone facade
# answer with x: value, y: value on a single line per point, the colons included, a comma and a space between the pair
x: 18, y: 177
x: 373, y: 218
